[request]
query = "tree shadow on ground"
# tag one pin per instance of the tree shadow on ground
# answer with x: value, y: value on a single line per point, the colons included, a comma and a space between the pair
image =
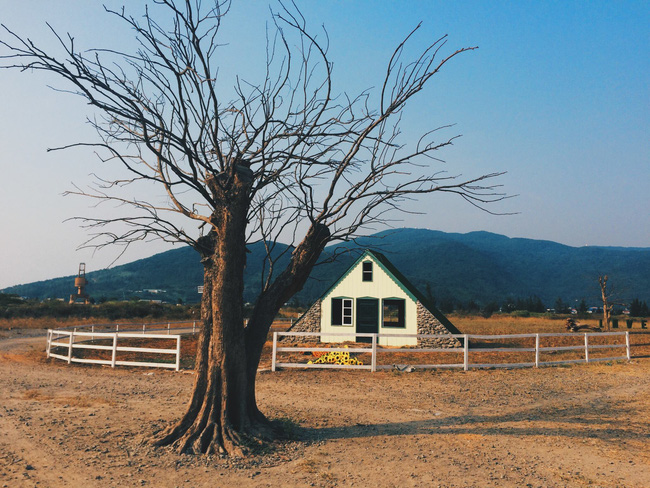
x: 577, y: 422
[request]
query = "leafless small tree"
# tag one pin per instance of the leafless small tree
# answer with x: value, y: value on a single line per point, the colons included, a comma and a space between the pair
x: 286, y: 158
x: 606, y: 296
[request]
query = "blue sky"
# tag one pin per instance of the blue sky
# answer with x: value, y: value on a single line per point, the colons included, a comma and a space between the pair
x: 557, y: 95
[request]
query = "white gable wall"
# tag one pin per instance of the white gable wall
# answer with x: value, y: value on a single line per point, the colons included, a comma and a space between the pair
x: 381, y: 287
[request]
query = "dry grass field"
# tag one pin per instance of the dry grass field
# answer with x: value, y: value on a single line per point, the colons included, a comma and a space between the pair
x: 579, y: 425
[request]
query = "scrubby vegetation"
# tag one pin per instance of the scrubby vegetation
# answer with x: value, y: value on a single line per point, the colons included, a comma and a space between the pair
x: 16, y: 312
x: 12, y: 307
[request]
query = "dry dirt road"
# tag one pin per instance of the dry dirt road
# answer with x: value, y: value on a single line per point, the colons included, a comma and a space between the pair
x: 585, y: 425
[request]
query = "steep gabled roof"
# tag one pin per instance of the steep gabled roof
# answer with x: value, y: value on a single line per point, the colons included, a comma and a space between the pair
x: 401, y: 281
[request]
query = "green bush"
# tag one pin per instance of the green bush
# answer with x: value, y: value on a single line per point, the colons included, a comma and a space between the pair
x: 109, y: 310
x: 520, y: 313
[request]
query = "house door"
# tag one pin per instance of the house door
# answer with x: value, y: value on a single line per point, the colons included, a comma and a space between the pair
x: 367, y: 317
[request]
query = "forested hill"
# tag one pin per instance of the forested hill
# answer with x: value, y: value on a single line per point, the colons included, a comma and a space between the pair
x: 477, y: 266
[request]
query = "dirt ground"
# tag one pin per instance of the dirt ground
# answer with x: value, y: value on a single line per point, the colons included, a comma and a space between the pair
x: 87, y: 426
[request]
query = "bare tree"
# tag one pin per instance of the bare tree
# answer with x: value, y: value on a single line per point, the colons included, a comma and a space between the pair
x: 284, y: 159
x: 606, y: 296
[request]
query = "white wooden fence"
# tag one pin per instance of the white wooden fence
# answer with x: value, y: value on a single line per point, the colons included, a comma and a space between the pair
x: 374, y: 349
x: 83, y: 337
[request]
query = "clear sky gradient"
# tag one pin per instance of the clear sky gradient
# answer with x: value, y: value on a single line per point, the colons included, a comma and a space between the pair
x: 557, y: 95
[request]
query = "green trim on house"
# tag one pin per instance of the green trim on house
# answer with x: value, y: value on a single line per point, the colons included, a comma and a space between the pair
x: 411, y: 290
x: 400, y: 280
x: 382, y: 262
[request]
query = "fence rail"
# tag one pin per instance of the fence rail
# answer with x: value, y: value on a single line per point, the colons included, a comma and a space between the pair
x: 67, y: 339
x: 80, y: 337
x: 182, y: 327
x: 374, y: 349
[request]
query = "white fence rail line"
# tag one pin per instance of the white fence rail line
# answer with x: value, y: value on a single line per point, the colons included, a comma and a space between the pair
x: 54, y: 337
x: 373, y: 349
x: 92, y: 332
x: 183, y: 327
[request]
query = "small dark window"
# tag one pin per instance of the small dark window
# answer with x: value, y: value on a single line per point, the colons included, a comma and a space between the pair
x: 393, y: 313
x: 367, y: 271
x: 341, y: 311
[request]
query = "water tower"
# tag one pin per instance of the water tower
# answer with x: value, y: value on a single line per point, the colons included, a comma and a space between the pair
x: 80, y: 283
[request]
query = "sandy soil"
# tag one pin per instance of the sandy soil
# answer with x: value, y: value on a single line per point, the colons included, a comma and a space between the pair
x: 578, y: 426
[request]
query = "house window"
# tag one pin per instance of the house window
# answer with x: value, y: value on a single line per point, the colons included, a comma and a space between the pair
x: 341, y: 311
x: 367, y: 271
x: 393, y: 312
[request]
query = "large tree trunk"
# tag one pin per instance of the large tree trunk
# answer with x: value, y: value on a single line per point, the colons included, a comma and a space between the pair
x: 223, y: 408
x: 216, y: 418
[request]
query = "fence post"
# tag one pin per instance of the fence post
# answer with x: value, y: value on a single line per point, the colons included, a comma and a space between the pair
x: 373, y: 360
x: 114, y: 350
x: 117, y: 327
x: 627, y: 345
x: 143, y: 328
x: 168, y: 327
x: 586, y: 348
x: 194, y: 327
x: 275, y: 349
x: 92, y: 331
x: 465, y: 352
x: 70, y: 345
x: 178, y: 352
x: 537, y: 350
x: 49, y: 342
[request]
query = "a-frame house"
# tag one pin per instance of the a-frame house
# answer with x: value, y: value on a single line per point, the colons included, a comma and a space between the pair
x: 372, y: 296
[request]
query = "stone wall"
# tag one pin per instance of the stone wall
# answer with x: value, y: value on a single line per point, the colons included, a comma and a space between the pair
x: 309, y: 322
x: 429, y: 324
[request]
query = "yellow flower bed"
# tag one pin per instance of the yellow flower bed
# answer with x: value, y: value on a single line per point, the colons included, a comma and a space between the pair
x: 335, y: 357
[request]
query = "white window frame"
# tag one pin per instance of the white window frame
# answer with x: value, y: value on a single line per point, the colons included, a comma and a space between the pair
x: 346, y: 318
x: 347, y: 311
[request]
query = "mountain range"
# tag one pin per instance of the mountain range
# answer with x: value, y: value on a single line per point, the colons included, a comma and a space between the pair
x: 478, y: 266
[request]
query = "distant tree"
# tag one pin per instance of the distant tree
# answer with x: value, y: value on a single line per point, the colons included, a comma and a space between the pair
x: 606, y: 296
x: 531, y: 304
x: 429, y: 294
x: 537, y: 305
x: 521, y: 304
x: 447, y: 305
x: 472, y: 307
x: 285, y: 156
x: 488, y: 310
x: 510, y: 306
x: 9, y: 299
x: 638, y: 308
x: 582, y: 308
x: 561, y: 306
